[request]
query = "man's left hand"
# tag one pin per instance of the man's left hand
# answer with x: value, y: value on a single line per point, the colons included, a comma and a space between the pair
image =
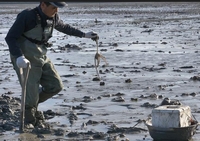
x: 92, y: 35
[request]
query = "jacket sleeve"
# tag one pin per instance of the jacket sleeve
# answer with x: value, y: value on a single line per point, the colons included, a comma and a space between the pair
x: 14, y: 33
x: 66, y: 28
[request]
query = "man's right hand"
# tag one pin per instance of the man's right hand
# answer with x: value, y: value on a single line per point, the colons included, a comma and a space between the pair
x: 22, y: 62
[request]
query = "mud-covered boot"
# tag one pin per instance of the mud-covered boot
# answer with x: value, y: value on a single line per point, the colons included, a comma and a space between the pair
x: 40, y: 119
x: 39, y: 115
x: 30, y: 119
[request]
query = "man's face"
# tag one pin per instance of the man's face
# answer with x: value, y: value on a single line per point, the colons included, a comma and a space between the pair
x: 50, y: 10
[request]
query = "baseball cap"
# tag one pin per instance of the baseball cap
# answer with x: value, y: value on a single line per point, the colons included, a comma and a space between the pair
x: 59, y: 4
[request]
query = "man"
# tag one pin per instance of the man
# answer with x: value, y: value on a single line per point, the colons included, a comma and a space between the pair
x: 27, y: 40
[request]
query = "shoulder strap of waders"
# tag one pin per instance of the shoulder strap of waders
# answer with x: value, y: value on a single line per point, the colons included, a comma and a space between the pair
x: 38, y: 21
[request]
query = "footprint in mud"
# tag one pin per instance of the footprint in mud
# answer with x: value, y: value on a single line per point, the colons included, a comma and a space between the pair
x: 195, y: 78
x: 118, y: 99
x: 168, y: 101
x: 148, y: 105
x: 89, y: 135
x: 72, y: 116
x: 87, y: 99
x: 187, y: 94
x: 115, y: 129
x: 69, y: 47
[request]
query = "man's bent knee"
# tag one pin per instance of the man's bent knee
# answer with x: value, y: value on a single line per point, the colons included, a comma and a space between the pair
x: 44, y: 95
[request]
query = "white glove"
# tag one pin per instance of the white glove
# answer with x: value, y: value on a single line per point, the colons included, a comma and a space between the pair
x: 22, y: 62
x: 92, y: 35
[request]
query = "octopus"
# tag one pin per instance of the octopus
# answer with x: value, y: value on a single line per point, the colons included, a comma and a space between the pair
x: 97, y: 58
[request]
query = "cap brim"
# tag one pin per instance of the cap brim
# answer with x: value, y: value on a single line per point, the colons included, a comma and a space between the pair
x: 59, y: 4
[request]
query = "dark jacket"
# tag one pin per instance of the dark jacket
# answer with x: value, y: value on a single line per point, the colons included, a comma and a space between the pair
x: 27, y: 20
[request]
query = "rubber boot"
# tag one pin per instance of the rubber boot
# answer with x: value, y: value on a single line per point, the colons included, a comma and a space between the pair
x: 39, y: 115
x: 30, y: 119
x: 39, y: 119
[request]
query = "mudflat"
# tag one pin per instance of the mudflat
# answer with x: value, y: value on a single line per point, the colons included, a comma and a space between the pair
x: 152, y: 51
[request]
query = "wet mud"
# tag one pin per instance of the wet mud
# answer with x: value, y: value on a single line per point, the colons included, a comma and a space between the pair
x: 152, y: 55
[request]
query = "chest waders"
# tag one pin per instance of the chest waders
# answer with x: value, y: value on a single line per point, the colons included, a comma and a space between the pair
x: 42, y: 72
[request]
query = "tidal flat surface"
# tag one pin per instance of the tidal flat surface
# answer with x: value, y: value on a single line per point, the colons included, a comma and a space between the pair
x: 152, y: 49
